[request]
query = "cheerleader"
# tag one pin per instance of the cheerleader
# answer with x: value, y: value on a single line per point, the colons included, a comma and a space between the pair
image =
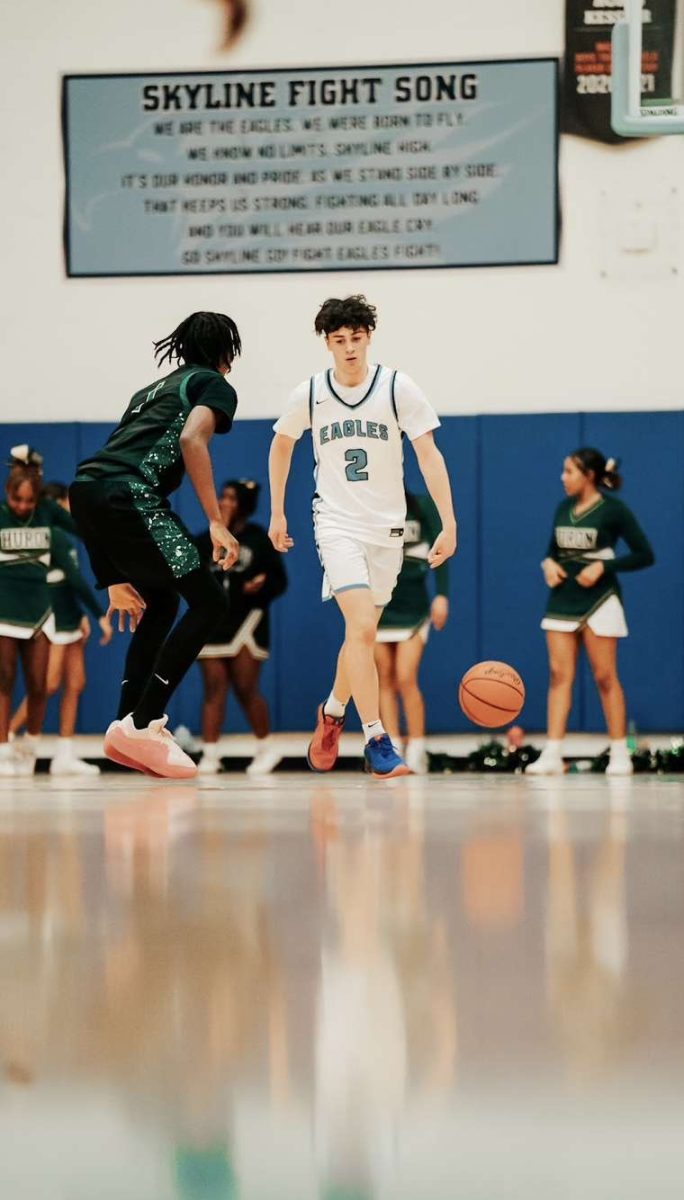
x: 27, y: 523
x: 67, y: 630
x: 404, y: 629
x: 585, y: 600
x: 240, y: 645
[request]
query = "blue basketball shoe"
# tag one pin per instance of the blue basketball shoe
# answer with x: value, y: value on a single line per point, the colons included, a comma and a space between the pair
x: 382, y: 760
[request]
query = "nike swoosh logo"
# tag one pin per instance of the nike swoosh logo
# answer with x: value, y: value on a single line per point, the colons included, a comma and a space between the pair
x: 323, y: 401
x: 164, y: 681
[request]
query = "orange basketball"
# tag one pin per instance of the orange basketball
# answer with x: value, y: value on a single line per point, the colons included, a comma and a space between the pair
x: 491, y: 694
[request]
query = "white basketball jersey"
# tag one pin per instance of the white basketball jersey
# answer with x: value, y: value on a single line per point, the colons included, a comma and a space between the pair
x: 359, y: 459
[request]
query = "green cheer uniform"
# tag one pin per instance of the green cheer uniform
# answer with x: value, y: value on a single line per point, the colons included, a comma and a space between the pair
x: 120, y: 496
x: 69, y: 593
x: 25, y: 553
x: 246, y: 622
x: 577, y: 541
x: 408, y: 612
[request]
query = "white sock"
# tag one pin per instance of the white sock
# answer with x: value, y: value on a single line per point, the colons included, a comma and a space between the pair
x: 417, y: 744
x: 5, y: 751
x: 334, y: 707
x: 619, y: 746
x: 264, y: 742
x: 65, y: 747
x: 210, y: 750
x: 553, y: 746
x: 31, y: 742
x: 373, y: 730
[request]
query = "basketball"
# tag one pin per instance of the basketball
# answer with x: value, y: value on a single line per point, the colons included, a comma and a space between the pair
x: 491, y: 694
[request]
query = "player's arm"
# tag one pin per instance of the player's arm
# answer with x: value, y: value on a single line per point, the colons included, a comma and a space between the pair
x: 279, y: 461
x: 194, y: 443
x: 434, y: 472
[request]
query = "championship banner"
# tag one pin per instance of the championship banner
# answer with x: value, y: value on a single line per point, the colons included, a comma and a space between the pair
x: 326, y: 169
x: 588, y: 62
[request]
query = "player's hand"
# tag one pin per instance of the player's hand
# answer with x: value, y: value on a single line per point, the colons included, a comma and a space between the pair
x: 85, y: 628
x: 443, y: 548
x: 280, y: 538
x: 439, y: 612
x: 106, y: 631
x: 124, y: 599
x: 225, y: 547
x: 553, y: 573
x: 254, y: 585
x: 590, y: 576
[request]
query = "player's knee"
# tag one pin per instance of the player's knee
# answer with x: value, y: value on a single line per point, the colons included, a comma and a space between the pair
x: 363, y: 630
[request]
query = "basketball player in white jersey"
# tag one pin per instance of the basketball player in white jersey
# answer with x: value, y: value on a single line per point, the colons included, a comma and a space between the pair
x: 357, y: 413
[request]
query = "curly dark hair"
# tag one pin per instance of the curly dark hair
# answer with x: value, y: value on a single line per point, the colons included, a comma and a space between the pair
x: 354, y: 312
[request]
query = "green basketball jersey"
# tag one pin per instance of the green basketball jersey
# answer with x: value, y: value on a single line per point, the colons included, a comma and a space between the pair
x: 146, y: 443
x: 410, y: 603
x: 577, y: 541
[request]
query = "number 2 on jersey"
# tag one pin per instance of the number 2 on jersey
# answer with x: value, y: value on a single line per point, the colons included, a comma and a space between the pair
x: 357, y: 460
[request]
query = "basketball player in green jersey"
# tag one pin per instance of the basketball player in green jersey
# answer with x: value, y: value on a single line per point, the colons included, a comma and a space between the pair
x: 358, y: 414
x: 585, y: 600
x: 141, y: 551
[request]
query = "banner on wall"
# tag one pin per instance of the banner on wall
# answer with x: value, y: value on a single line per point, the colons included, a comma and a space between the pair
x: 327, y: 169
x: 588, y: 62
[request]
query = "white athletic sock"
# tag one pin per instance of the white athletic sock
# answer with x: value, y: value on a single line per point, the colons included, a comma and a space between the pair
x: 31, y: 741
x: 619, y: 746
x: 334, y: 707
x: 373, y: 730
x: 65, y: 747
x: 416, y: 744
x: 553, y: 746
x: 6, y: 751
x: 264, y: 742
x: 210, y: 750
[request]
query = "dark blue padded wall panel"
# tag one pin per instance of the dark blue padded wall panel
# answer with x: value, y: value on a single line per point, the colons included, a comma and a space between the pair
x: 451, y: 652
x: 505, y: 472
x: 521, y: 462
x: 651, y: 447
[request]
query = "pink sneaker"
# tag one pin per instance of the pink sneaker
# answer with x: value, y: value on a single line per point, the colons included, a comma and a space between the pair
x: 150, y: 750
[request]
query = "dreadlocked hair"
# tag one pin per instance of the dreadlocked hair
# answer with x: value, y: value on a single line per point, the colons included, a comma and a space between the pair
x: 205, y: 338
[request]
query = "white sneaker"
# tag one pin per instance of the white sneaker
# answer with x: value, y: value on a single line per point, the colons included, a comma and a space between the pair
x: 416, y: 759
x: 25, y: 755
x: 620, y: 763
x: 549, y: 762
x: 265, y: 760
x: 151, y: 750
x: 63, y: 764
x: 209, y: 765
x: 8, y: 766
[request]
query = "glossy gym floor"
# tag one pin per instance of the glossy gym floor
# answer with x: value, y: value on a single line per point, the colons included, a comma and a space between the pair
x: 434, y: 988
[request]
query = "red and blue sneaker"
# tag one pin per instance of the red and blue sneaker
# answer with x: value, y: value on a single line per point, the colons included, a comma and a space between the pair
x: 382, y: 760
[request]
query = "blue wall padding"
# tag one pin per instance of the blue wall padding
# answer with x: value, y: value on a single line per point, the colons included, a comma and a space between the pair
x: 505, y: 472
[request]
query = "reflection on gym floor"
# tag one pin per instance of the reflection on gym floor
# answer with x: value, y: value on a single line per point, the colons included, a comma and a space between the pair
x: 434, y: 988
